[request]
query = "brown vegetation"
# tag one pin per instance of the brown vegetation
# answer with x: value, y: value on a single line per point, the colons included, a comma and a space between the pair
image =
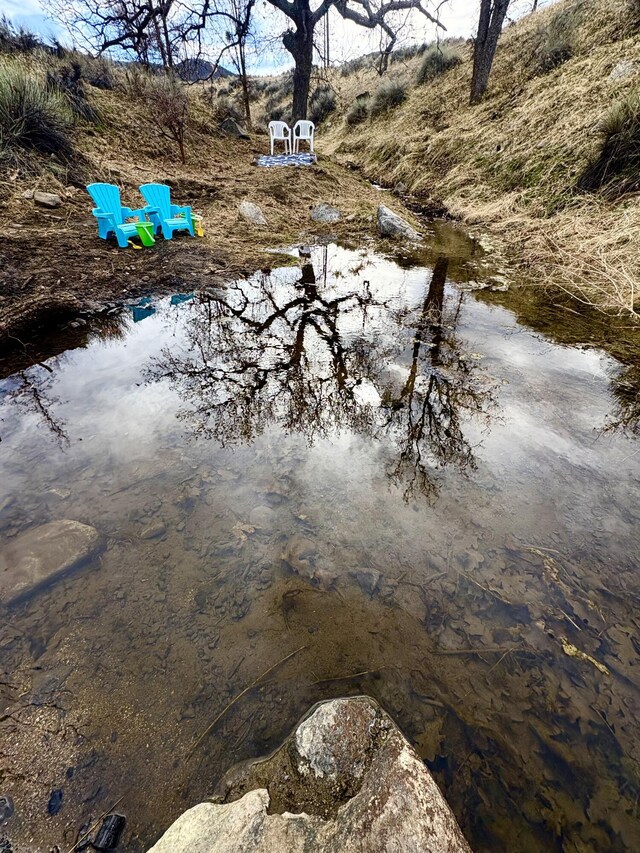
x: 513, y: 163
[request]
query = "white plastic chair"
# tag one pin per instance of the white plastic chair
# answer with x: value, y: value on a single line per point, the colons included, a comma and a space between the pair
x: 303, y: 130
x: 279, y: 131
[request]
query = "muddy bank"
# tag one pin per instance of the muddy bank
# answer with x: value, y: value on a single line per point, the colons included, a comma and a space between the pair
x: 53, y: 265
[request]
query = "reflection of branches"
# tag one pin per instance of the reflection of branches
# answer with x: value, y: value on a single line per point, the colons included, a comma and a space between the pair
x: 426, y: 414
x: 310, y: 355
x: 626, y: 391
x: 256, y: 357
x: 31, y: 394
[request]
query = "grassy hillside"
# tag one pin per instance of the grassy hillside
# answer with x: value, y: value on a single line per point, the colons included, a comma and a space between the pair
x: 565, y: 80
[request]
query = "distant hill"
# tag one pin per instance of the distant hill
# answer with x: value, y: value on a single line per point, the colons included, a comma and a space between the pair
x: 193, y: 70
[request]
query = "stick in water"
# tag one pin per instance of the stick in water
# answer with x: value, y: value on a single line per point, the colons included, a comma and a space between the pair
x: 239, y: 696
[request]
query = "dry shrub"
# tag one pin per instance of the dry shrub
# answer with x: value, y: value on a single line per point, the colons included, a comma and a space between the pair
x: 403, y: 54
x: 321, y: 104
x: 388, y: 95
x: 358, y: 112
x: 225, y: 107
x: 361, y: 63
x: 67, y: 79
x: 437, y: 59
x: 556, y: 44
x: 633, y: 13
x: 99, y: 73
x: 169, y: 104
x: 135, y: 80
x: 616, y: 168
x: 32, y: 116
x: 15, y: 39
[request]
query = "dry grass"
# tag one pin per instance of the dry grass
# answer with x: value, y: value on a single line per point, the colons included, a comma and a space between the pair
x: 512, y: 163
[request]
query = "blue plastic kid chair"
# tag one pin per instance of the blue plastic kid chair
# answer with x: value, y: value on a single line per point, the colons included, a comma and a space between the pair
x: 111, y: 214
x: 169, y: 217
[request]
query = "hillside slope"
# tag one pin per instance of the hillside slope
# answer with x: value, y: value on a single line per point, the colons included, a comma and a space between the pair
x: 513, y: 162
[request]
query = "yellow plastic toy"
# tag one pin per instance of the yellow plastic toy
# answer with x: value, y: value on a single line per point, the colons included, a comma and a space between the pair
x: 197, y: 224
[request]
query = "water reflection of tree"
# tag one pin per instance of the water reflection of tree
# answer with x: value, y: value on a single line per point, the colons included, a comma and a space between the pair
x: 31, y: 370
x: 299, y: 354
x: 426, y: 414
x: 626, y: 393
x: 31, y: 390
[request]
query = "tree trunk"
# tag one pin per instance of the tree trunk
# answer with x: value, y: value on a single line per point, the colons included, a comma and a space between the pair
x: 245, y: 84
x: 167, y: 38
x: 492, y: 15
x: 160, y: 44
x: 300, y: 46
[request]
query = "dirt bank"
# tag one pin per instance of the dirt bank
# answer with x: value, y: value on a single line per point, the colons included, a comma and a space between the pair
x: 52, y: 263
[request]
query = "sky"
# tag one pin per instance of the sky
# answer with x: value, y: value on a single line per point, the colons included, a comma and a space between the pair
x: 347, y: 39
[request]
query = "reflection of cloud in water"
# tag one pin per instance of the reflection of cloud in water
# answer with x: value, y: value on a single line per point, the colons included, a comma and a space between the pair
x: 457, y: 574
x: 309, y: 350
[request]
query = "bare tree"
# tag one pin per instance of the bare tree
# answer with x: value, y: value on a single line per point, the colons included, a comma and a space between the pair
x: 148, y: 29
x: 238, y: 14
x: 162, y: 32
x: 492, y: 15
x: 299, y: 39
x: 170, y: 107
x: 171, y: 33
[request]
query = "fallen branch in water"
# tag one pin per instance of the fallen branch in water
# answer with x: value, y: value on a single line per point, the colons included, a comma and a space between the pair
x: 352, y: 675
x: 239, y: 696
x: 489, y: 650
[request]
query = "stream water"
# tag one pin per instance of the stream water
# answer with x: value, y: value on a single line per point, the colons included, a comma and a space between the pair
x: 352, y: 457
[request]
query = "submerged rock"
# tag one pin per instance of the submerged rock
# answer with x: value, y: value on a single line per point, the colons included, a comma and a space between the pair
x: 44, y: 554
x: 252, y: 213
x: 109, y: 833
x: 6, y: 808
x: 346, y: 780
x: 55, y: 802
x: 324, y: 212
x: 154, y: 530
x: 368, y: 579
x: 394, y: 226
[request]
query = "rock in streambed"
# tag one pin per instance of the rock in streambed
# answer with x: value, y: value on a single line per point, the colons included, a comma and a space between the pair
x: 44, y: 554
x: 251, y: 212
x: 324, y: 212
x: 394, y: 226
x: 346, y: 780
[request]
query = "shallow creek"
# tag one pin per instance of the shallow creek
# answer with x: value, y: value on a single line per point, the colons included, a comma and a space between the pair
x: 350, y: 457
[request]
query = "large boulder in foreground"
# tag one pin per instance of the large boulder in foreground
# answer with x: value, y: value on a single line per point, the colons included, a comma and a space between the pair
x: 346, y: 780
x: 394, y: 226
x: 43, y: 554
